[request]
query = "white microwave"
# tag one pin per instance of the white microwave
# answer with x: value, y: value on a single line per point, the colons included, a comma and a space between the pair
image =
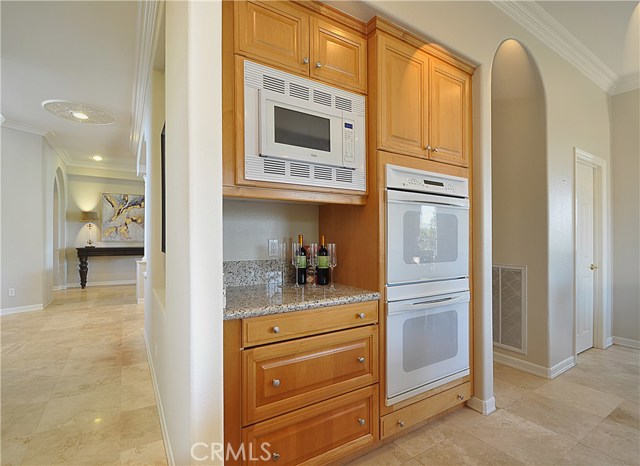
x: 299, y: 131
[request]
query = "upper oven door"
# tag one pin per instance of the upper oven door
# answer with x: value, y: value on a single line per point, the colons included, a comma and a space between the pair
x: 427, y: 237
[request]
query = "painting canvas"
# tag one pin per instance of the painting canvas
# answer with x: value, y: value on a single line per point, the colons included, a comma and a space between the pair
x: 123, y: 217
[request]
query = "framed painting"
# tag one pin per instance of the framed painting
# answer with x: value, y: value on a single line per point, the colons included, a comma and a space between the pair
x: 122, y: 217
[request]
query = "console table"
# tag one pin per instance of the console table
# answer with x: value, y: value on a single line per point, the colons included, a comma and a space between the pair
x: 85, y: 253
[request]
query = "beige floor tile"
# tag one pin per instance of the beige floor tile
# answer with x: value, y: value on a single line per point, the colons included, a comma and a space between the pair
x: 627, y: 413
x: 506, y: 393
x: 20, y: 420
x: 463, y: 449
x: 616, y: 440
x: 139, y: 427
x: 463, y: 418
x: 555, y: 415
x: 582, y: 455
x: 13, y: 450
x: 579, y: 396
x: 425, y: 437
x: 388, y: 455
x: 145, y: 455
x: 136, y: 396
x: 517, y: 378
x: 136, y: 373
x: 522, y: 439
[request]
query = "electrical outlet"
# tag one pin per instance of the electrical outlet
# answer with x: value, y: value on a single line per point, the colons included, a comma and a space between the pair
x: 12, y: 292
x: 273, y: 248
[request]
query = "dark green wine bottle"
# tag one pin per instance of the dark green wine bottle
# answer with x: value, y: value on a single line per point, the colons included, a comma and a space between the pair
x: 323, y: 263
x: 301, y: 263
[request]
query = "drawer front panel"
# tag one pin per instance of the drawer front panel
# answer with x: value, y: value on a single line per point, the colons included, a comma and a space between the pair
x: 286, y: 376
x: 281, y: 327
x: 319, y: 433
x: 411, y: 415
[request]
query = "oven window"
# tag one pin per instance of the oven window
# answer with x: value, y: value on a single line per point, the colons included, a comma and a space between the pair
x: 429, y: 339
x: 430, y: 237
x: 302, y: 129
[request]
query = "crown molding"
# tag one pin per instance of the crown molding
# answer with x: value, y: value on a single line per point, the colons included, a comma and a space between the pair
x: 52, y: 138
x: 541, y: 24
x: 628, y: 83
x: 18, y: 126
x: 147, y: 21
x: 92, y: 171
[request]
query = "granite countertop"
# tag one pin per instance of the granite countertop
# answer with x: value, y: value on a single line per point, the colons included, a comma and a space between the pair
x: 259, y: 300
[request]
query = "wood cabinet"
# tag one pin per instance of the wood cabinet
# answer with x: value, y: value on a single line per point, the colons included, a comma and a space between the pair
x: 423, y: 103
x: 298, y: 40
x: 310, y: 389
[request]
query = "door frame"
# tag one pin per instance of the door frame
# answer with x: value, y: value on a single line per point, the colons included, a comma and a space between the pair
x: 602, y: 245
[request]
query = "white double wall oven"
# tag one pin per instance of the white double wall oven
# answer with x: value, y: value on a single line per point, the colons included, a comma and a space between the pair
x: 427, y: 281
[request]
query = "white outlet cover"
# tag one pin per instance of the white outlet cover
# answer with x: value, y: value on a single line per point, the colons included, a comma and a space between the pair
x: 273, y: 247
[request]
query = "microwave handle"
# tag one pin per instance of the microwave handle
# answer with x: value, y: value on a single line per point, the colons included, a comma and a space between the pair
x: 427, y: 304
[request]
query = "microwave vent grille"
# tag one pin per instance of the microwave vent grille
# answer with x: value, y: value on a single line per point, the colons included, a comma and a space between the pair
x: 343, y: 104
x: 273, y: 84
x: 300, y: 92
x: 344, y: 176
x: 275, y: 167
x: 301, y: 170
x: 321, y: 98
x: 322, y: 173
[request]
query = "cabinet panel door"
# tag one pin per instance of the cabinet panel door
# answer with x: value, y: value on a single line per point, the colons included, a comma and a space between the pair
x: 286, y: 376
x: 276, y: 32
x: 318, y: 434
x: 450, y: 113
x: 338, y: 56
x: 403, y: 118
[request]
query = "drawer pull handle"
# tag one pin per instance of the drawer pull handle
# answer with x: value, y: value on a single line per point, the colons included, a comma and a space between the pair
x: 428, y: 147
x: 276, y: 383
x: 361, y: 421
x: 305, y: 60
x: 361, y: 359
x: 401, y: 423
x: 275, y: 456
x: 436, y: 149
x: 361, y: 315
x: 461, y: 397
x: 276, y: 329
x: 318, y: 64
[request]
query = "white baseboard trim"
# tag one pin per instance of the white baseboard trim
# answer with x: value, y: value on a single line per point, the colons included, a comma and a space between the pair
x: 113, y: 283
x: 484, y: 407
x: 16, y: 310
x: 561, y: 367
x: 626, y: 342
x: 608, y: 342
x: 61, y: 287
x: 141, y: 301
x: 535, y: 369
x: 163, y: 422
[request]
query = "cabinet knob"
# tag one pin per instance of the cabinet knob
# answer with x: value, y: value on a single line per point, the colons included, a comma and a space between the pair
x: 593, y: 266
x: 361, y: 315
x: 276, y: 383
x: 305, y: 60
x: 275, y: 456
x: 361, y: 359
x: 401, y: 423
x: 461, y: 397
x: 435, y: 149
x: 361, y: 421
x: 428, y: 147
x: 318, y: 64
x: 276, y: 329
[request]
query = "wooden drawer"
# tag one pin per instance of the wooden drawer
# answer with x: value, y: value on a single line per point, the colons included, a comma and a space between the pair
x: 286, y: 376
x: 413, y: 414
x: 319, y: 433
x: 280, y: 327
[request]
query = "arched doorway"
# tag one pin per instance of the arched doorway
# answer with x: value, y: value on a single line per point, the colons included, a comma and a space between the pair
x: 59, y: 230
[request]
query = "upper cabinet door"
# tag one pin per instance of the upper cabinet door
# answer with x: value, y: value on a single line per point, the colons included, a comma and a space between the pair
x: 276, y: 32
x: 338, y: 56
x: 403, y: 98
x: 450, y: 132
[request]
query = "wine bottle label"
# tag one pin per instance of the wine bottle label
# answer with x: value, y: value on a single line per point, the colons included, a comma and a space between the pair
x: 301, y: 262
x: 323, y: 262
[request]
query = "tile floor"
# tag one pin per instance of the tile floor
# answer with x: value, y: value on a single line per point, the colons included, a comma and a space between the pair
x: 76, y: 389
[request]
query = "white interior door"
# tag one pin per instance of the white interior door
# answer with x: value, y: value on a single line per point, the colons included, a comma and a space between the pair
x: 585, y: 256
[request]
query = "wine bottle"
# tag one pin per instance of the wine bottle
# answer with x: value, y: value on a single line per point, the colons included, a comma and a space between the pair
x: 301, y: 263
x: 323, y: 264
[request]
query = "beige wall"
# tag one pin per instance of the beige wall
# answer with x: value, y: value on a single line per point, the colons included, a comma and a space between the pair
x: 625, y: 168
x: 519, y: 187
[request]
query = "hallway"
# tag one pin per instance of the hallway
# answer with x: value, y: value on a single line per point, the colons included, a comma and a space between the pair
x: 76, y: 387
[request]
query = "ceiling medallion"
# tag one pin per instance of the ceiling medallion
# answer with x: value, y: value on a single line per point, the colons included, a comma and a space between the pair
x: 82, y: 113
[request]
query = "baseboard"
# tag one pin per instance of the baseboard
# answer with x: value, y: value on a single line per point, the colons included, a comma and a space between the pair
x: 561, y: 367
x: 112, y: 283
x: 608, y: 342
x: 141, y: 301
x: 19, y: 309
x: 484, y: 407
x: 60, y: 287
x: 626, y: 342
x: 163, y: 422
x: 535, y: 369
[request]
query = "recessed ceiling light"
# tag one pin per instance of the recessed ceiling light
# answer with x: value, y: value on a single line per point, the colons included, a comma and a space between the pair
x: 82, y: 113
x: 97, y: 158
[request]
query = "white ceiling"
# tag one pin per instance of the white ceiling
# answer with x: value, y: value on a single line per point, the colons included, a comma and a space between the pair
x: 85, y: 51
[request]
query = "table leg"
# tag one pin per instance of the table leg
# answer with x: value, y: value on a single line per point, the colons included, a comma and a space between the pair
x: 84, y: 268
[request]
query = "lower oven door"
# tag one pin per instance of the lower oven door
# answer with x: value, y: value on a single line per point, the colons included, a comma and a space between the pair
x: 427, y: 344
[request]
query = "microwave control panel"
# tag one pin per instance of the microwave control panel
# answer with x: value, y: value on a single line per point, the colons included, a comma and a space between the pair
x: 348, y: 144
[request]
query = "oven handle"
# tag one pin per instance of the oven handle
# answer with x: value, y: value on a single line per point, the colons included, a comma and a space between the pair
x: 397, y: 308
x: 405, y: 197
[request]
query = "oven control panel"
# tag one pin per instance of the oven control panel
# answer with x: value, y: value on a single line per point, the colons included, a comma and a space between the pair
x: 426, y: 182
